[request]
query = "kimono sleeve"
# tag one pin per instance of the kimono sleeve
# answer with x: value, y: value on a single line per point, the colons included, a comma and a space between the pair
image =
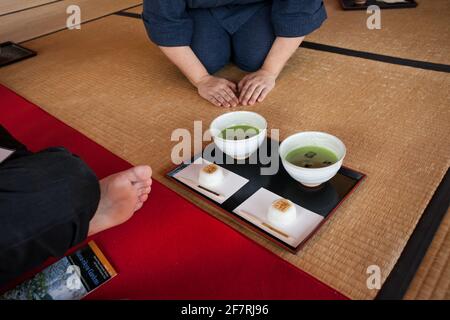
x: 297, y: 18
x: 168, y: 22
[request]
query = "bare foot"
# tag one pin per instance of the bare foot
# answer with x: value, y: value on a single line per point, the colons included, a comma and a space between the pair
x: 121, y: 195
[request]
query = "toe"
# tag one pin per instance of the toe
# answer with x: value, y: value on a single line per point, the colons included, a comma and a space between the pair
x: 143, y: 197
x: 138, y: 206
x: 140, y: 185
x: 139, y: 173
x: 145, y: 190
x: 143, y: 184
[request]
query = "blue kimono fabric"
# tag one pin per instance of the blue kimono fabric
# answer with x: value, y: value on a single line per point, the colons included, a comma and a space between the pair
x: 219, y: 31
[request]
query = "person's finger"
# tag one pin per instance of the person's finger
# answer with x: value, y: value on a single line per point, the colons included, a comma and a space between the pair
x: 256, y: 94
x: 231, y: 97
x: 248, y: 93
x: 227, y: 97
x: 235, y: 99
x: 242, y: 83
x: 232, y: 86
x: 263, y: 94
x: 230, y: 92
x: 243, y: 90
x: 214, y: 101
x: 219, y: 96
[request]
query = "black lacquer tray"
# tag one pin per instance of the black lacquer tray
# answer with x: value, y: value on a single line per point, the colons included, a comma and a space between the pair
x: 322, y: 200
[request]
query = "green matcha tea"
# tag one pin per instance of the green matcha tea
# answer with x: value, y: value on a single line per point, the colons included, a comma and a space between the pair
x: 311, y: 157
x: 239, y: 132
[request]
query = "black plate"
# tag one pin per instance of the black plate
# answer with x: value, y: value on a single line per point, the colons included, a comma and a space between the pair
x: 11, y: 52
x: 350, y: 5
x: 322, y: 200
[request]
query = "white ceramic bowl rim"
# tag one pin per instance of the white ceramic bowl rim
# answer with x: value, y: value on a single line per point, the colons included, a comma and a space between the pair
x: 295, y: 135
x: 261, y: 130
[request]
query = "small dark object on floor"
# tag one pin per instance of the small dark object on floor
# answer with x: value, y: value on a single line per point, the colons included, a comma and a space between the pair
x: 11, y: 52
x: 353, y: 5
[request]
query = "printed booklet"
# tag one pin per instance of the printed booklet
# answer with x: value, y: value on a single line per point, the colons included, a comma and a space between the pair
x: 70, y: 278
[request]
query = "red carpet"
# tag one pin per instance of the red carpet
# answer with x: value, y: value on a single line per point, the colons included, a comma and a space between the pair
x: 170, y: 249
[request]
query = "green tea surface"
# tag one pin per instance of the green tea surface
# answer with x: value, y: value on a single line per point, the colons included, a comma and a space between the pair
x: 311, y: 157
x: 239, y: 132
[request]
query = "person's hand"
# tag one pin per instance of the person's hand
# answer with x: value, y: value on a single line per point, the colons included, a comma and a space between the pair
x: 218, y: 91
x: 255, y: 86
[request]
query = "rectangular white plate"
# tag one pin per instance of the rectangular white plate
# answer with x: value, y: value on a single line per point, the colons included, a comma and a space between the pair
x: 257, y: 205
x: 230, y: 185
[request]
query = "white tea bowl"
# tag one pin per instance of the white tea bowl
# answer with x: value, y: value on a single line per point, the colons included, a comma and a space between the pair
x: 238, y: 149
x: 312, y: 177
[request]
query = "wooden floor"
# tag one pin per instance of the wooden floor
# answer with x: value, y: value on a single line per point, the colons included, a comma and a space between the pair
x: 11, y: 6
x: 45, y: 16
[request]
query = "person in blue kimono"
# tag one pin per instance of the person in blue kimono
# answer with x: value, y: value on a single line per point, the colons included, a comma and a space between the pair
x: 259, y: 36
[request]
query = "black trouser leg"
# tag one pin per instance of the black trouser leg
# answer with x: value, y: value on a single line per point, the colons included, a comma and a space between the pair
x: 46, y: 202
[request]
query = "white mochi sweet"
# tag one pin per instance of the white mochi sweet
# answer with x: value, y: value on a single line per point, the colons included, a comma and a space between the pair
x: 282, y: 212
x: 210, y: 176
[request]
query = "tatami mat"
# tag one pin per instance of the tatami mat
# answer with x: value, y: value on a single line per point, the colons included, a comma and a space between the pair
x: 41, y: 20
x: 422, y: 33
x: 110, y: 83
x: 432, y: 280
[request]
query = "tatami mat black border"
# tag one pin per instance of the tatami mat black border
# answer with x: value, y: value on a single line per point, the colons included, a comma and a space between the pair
x: 129, y: 14
x: 407, y: 265
x: 377, y: 57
